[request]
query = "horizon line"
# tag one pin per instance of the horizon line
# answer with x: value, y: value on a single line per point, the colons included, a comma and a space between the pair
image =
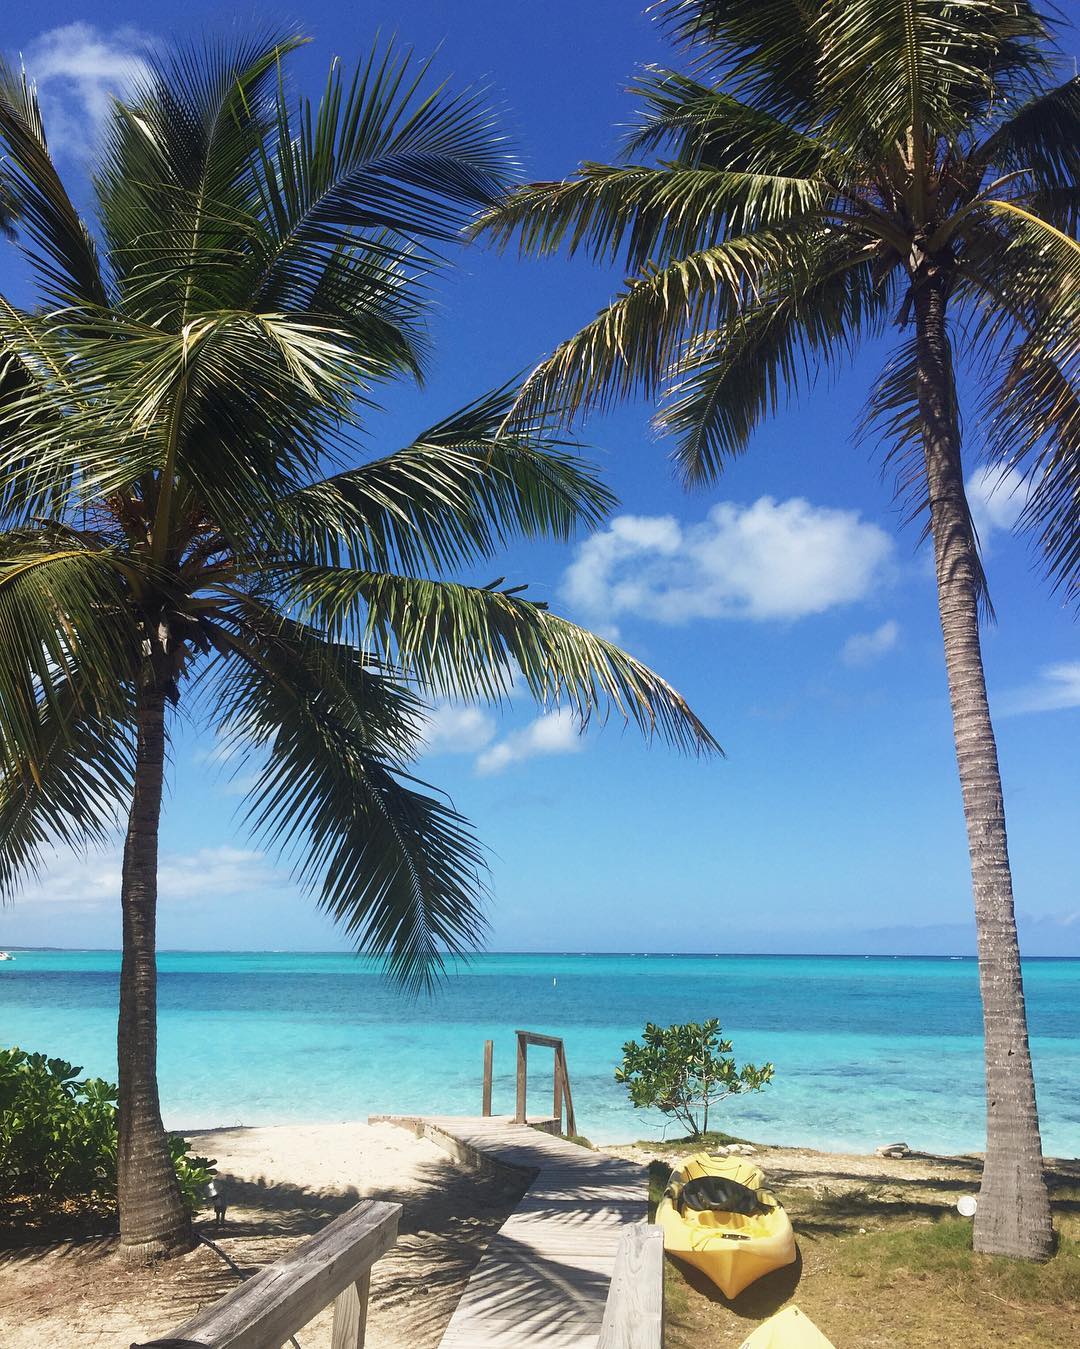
x: 480, y: 955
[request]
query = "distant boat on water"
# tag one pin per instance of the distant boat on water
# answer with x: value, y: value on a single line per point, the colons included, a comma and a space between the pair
x: 6, y: 955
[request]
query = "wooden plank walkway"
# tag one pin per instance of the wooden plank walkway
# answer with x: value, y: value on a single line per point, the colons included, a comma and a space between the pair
x: 544, y: 1278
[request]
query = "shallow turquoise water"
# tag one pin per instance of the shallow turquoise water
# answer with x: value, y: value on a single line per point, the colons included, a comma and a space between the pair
x: 867, y: 1050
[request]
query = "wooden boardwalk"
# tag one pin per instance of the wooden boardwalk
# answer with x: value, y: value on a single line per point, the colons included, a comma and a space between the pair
x: 544, y: 1278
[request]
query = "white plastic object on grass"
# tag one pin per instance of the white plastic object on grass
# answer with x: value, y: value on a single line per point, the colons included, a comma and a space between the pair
x: 966, y: 1205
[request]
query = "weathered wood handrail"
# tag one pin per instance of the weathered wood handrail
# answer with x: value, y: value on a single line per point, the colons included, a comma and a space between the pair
x: 561, y: 1094
x: 334, y: 1266
x: 634, y: 1311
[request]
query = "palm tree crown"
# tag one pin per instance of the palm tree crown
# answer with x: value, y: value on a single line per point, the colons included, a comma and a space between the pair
x: 168, y: 415
x: 815, y: 162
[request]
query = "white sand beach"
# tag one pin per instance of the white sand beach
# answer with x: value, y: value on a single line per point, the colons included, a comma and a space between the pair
x: 282, y: 1184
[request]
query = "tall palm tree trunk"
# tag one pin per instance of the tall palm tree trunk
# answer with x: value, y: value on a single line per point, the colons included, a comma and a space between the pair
x: 1013, y: 1216
x: 153, y: 1218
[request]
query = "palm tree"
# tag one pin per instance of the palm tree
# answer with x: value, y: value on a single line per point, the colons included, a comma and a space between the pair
x: 822, y: 171
x: 182, y: 526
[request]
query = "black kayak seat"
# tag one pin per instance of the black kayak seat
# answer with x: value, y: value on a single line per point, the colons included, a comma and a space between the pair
x: 722, y: 1195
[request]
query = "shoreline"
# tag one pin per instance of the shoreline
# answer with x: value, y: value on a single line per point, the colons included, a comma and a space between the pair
x: 614, y: 1142
x: 618, y: 1146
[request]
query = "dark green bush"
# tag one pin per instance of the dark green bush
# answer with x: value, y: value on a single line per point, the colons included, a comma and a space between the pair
x: 686, y: 1071
x: 58, y: 1135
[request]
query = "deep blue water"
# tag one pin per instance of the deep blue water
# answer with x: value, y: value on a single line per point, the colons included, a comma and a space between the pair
x: 867, y: 1050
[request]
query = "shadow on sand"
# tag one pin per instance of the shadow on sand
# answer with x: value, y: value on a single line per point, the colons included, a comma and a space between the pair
x: 448, y: 1216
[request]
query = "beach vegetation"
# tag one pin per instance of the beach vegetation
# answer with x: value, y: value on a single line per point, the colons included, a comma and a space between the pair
x: 58, y: 1137
x: 708, y: 1138
x: 813, y: 178
x: 686, y: 1071
x: 194, y: 525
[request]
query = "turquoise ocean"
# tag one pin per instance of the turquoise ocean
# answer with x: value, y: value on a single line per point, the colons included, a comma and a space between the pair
x: 867, y: 1050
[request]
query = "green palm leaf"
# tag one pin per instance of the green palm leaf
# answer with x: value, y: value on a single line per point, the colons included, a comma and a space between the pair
x: 64, y: 628
x: 66, y: 793
x: 465, y: 641
x: 397, y: 867
x: 36, y: 204
x: 454, y: 496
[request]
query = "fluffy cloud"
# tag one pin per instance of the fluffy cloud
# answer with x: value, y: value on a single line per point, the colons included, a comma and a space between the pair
x: 557, y: 732
x: 454, y: 729
x: 78, y: 69
x: 996, y: 499
x: 92, y: 883
x: 1057, y: 687
x: 862, y: 648
x: 770, y: 560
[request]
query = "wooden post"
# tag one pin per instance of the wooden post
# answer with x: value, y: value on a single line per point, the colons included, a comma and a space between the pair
x: 522, y: 1070
x: 350, y: 1315
x: 556, y: 1105
x: 571, y: 1122
x: 634, y: 1311
x: 489, y: 1050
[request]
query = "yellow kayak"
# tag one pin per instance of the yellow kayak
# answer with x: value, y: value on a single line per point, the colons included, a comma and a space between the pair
x: 733, y: 1249
x: 789, y: 1329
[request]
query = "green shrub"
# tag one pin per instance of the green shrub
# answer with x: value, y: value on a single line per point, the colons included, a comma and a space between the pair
x: 58, y: 1135
x: 193, y: 1173
x: 685, y: 1071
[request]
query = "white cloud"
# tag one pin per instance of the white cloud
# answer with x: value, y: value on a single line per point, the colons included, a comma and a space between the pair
x: 93, y: 882
x: 454, y: 729
x: 1057, y: 687
x: 862, y: 648
x: 770, y: 560
x: 78, y: 69
x: 209, y: 873
x: 996, y: 499
x: 557, y: 732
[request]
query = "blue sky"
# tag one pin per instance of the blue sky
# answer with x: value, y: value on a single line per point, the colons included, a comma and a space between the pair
x: 788, y: 603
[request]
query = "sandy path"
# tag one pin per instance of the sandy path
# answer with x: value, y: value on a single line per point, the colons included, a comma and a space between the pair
x: 282, y: 1184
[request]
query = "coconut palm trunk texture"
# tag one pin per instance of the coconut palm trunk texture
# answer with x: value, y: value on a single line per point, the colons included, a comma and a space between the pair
x: 153, y: 1218
x: 1013, y: 1216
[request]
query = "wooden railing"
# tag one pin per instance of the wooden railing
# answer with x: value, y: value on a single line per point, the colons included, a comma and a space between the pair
x: 269, y: 1308
x: 634, y: 1311
x: 561, y: 1079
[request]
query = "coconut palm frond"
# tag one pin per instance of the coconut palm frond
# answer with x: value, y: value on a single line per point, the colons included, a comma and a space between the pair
x: 644, y: 214
x: 766, y: 50
x: 393, y: 863
x: 379, y: 160
x: 464, y: 640
x: 35, y: 204
x: 706, y: 126
x: 454, y: 496
x: 64, y: 625
x: 735, y: 376
x: 636, y: 342
x: 69, y: 792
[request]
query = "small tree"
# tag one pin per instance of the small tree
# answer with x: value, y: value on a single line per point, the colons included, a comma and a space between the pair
x: 685, y: 1071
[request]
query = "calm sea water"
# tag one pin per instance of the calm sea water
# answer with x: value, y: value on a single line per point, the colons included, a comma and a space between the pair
x: 867, y: 1050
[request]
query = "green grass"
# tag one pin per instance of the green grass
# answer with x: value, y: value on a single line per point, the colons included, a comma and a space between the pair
x: 659, y: 1173
x: 702, y: 1143
x: 942, y: 1249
